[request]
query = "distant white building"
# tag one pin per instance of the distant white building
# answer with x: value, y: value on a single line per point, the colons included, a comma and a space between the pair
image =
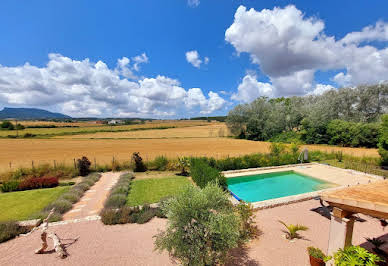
x: 115, y: 122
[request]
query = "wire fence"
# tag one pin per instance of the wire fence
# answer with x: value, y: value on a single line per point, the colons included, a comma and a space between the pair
x: 361, y: 167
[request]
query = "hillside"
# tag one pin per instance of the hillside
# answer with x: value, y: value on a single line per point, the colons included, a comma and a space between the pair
x: 29, y: 113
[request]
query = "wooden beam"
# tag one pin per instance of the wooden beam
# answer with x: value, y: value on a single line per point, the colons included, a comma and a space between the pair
x: 353, y: 209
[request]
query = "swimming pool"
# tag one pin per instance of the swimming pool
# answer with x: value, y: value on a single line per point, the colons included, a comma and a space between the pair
x: 273, y: 185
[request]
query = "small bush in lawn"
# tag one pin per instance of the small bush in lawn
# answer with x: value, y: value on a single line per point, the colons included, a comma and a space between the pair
x: 60, y: 205
x: 9, y: 230
x: 139, y: 164
x: 116, y: 201
x: 9, y: 186
x: 83, y: 166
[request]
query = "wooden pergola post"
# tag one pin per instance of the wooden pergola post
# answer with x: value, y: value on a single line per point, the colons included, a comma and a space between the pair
x: 341, y: 230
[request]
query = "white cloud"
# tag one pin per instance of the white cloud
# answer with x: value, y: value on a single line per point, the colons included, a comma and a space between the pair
x: 250, y: 89
x: 193, y: 3
x: 290, y: 48
x: 193, y: 58
x: 140, y: 59
x: 195, y: 97
x: 320, y: 89
x: 84, y: 88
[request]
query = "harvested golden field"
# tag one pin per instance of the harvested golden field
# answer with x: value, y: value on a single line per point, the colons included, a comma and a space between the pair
x: 48, y: 132
x: 20, y: 152
x: 213, y: 130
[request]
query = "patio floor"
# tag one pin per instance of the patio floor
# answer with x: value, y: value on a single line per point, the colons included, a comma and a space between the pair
x: 132, y: 244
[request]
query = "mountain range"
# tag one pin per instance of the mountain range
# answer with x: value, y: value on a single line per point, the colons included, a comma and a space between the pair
x: 29, y: 113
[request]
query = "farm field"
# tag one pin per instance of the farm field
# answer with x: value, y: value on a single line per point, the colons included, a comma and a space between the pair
x: 21, y: 152
x: 18, y: 206
x: 60, y: 131
x: 212, y: 130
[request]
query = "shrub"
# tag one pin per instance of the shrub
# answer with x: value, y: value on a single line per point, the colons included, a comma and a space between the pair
x: 28, y: 135
x: 159, y: 163
x: 146, y: 215
x: 65, y: 184
x: 38, y: 182
x: 116, y: 201
x: 248, y: 228
x: 71, y: 196
x: 139, y: 164
x: 109, y: 216
x: 355, y: 255
x: 202, y: 226
x: 82, y: 186
x: 83, y: 166
x: 9, y: 230
x: 61, y: 206
x: 43, y: 215
x: 7, y: 125
x: 183, y: 164
x: 10, y: 186
x: 202, y: 174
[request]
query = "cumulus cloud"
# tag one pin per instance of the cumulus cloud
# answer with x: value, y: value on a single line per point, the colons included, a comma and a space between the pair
x: 195, y: 97
x: 290, y: 47
x: 193, y: 3
x: 85, y: 88
x: 250, y: 89
x: 193, y: 58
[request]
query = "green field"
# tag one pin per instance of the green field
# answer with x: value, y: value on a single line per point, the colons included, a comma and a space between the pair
x: 18, y: 206
x: 152, y: 190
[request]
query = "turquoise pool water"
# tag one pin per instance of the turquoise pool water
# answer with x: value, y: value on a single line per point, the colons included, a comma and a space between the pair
x: 254, y: 188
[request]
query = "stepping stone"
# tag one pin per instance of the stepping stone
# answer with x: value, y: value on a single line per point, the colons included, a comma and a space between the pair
x: 75, y: 210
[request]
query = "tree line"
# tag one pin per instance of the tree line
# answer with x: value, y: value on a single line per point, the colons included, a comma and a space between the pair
x: 346, y: 117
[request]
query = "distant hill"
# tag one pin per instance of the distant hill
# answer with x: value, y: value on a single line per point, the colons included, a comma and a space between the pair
x: 29, y: 113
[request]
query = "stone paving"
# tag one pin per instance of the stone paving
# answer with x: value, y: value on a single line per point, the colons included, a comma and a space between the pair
x: 93, y: 200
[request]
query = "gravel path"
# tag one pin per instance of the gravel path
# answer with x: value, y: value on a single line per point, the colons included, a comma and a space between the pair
x: 132, y: 244
x: 93, y: 200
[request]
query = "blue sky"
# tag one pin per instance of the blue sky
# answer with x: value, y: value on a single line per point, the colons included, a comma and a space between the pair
x: 164, y: 31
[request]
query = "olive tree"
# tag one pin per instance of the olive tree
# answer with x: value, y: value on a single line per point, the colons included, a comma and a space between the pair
x: 202, y: 226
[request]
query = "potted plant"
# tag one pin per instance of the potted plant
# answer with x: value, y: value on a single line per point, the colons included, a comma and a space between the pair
x: 355, y: 255
x: 317, y: 257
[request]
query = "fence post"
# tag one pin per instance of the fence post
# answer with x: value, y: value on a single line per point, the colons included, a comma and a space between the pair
x: 32, y: 163
x: 75, y: 166
x: 95, y: 164
x: 10, y: 165
x: 55, y: 165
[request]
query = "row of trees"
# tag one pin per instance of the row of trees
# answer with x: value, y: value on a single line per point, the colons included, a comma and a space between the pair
x: 7, y: 125
x: 347, y: 116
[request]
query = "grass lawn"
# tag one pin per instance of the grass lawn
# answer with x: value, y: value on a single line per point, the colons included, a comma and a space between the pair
x: 22, y: 204
x: 151, y: 190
